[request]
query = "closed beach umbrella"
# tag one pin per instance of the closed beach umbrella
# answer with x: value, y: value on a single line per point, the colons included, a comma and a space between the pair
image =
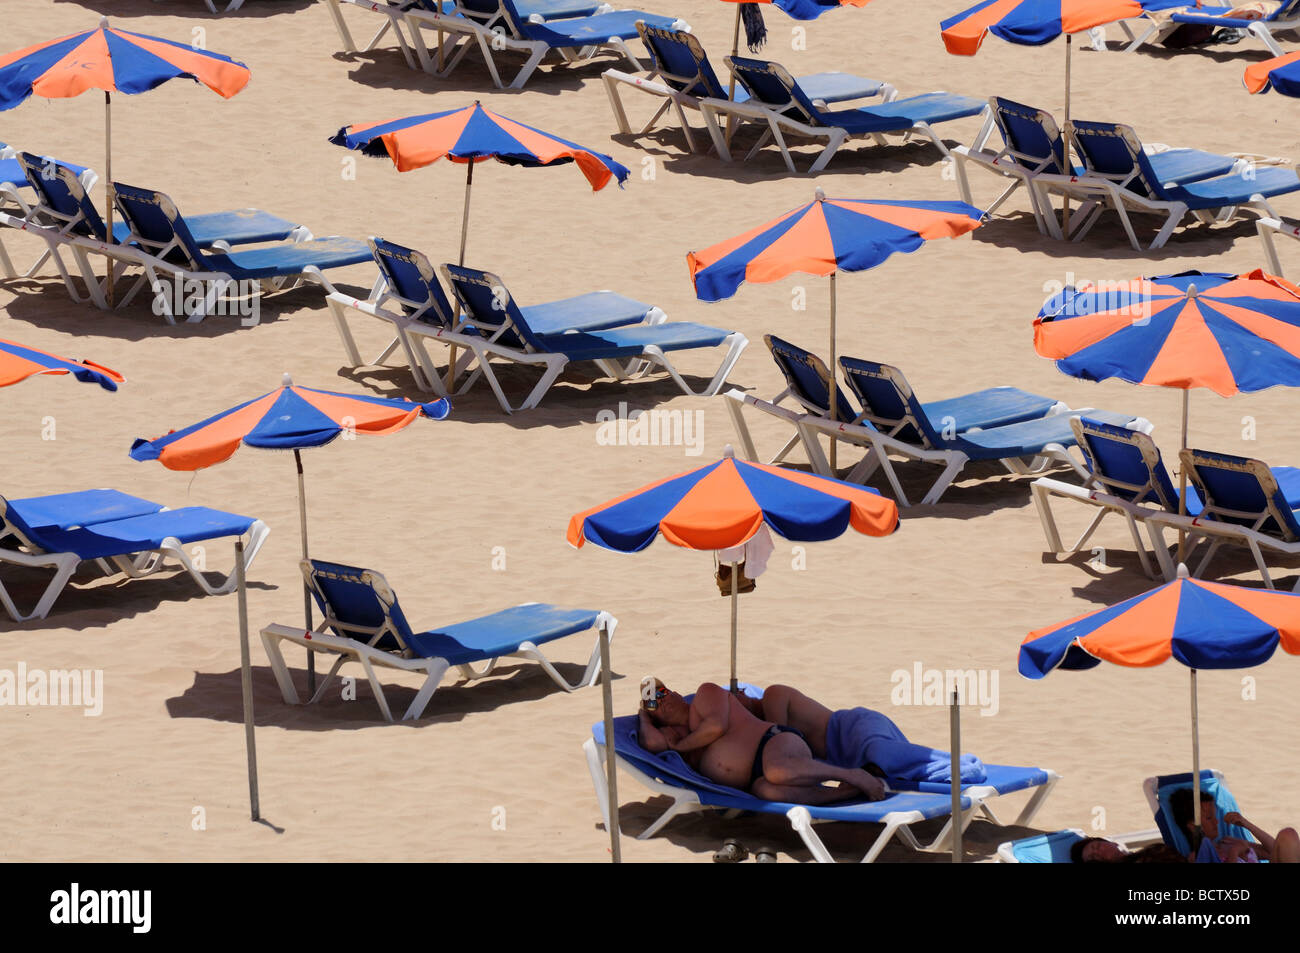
x: 1203, y: 625
x: 289, y: 418
x: 116, y: 61
x: 825, y: 237
x: 19, y: 362
x: 1227, y: 333
x: 723, y: 506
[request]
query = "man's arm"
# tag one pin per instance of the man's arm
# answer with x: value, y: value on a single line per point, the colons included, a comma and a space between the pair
x: 712, y: 708
x: 652, y: 739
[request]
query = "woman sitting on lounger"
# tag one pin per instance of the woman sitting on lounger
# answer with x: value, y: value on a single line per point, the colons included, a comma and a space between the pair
x: 720, y: 738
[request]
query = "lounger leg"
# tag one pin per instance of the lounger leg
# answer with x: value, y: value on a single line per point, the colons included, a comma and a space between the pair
x: 6, y: 265
x: 1175, y: 216
x: 955, y: 466
x: 1265, y: 36
x: 271, y: 643
x: 342, y: 27
x: 736, y: 411
x: 378, y: 689
x: 345, y: 332
x: 534, y: 60
x: 1161, y: 549
x: 616, y: 104
x: 328, y: 680
x: 437, y: 668
x: 802, y: 823
x: 1270, y: 247
x: 63, y: 564
x: 1027, y: 813
x: 837, y: 138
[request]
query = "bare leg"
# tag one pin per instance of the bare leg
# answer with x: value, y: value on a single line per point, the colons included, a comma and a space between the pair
x: 804, y: 793
x: 787, y: 760
x: 1286, y: 847
x: 783, y: 705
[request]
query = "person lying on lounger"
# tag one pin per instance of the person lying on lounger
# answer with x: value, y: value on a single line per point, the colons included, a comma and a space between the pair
x: 858, y: 738
x: 1100, y: 850
x: 724, y: 741
x: 1284, y: 849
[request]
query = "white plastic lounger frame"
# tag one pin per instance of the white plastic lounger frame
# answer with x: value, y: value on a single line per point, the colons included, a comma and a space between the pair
x: 1044, y: 488
x: 503, y: 36
x: 1266, y: 228
x: 685, y: 801
x: 394, y: 18
x: 136, y: 566
x: 356, y: 650
x: 780, y: 125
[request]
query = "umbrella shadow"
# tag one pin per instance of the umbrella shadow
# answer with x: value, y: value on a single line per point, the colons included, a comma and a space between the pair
x: 574, y: 400
x: 219, y: 697
x: 1107, y: 239
x: 97, y: 602
x: 138, y: 322
x: 386, y: 68
x: 1245, y: 51
x: 255, y: 9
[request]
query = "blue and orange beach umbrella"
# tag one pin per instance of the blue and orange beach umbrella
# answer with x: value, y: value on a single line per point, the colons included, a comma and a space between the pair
x: 1203, y: 625
x: 289, y: 418
x: 19, y: 362
x: 114, y: 61
x: 823, y: 238
x: 1227, y: 333
x: 723, y: 506
x: 472, y: 134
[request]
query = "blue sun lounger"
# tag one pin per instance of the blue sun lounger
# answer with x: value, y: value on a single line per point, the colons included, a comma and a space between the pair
x: 893, y: 421
x: 1126, y: 475
x: 173, y: 249
x: 681, y: 75
x: 1286, y: 16
x: 1034, y: 156
x: 18, y: 200
x: 119, y: 532
x: 494, y: 326
x: 1120, y: 175
x: 777, y: 99
x: 1234, y: 500
x: 364, y: 623
x: 407, y: 279
x: 534, y: 30
x: 1160, y: 790
x: 669, y: 775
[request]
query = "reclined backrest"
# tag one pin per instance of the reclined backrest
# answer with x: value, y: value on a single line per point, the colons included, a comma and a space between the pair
x: 158, y: 224
x: 358, y: 604
x: 1114, y: 151
x: 1031, y: 135
x: 808, y: 378
x: 1126, y: 463
x: 681, y: 62
x: 1242, y: 491
x: 486, y: 12
x: 60, y: 191
x: 888, y: 402
x: 489, y: 309
x: 773, y: 86
x: 413, y: 282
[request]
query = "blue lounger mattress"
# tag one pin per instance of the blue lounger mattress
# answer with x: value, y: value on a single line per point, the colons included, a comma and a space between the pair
x: 1029, y: 437
x: 902, y: 114
x: 992, y: 407
x: 139, y: 534
x: 64, y: 511
x: 1235, y: 189
x: 598, y: 29
x: 501, y: 633
x: 594, y: 311
x: 629, y: 342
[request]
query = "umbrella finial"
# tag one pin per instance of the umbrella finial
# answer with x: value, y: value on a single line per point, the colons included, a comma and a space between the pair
x: 103, y: 23
x: 1182, y: 571
x: 820, y: 195
x: 729, y: 452
x: 286, y: 380
x: 1191, y: 291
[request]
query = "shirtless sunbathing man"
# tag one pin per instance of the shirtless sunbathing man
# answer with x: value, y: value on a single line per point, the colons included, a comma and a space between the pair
x: 721, y: 738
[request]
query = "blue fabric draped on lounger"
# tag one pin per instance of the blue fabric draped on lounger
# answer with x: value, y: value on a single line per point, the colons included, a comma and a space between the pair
x: 856, y: 737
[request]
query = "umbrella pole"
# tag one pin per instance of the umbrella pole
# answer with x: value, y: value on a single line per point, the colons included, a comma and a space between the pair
x: 731, y: 87
x: 954, y: 727
x: 1196, y: 759
x: 834, y: 387
x: 735, y: 590
x: 464, y: 231
x: 1182, y: 478
x: 108, y: 183
x: 1065, y: 200
x: 306, y: 593
x: 611, y: 773
x: 246, y: 681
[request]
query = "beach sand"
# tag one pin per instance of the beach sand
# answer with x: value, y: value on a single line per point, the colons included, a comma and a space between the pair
x: 495, y: 770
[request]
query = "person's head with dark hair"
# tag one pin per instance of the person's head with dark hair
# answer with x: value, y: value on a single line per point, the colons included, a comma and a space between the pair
x: 1180, y: 804
x: 1155, y: 854
x: 1096, y: 850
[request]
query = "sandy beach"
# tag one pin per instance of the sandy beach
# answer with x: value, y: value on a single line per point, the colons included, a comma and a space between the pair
x: 468, y: 515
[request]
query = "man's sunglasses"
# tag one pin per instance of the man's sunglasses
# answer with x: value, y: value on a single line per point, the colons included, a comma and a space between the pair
x: 651, y: 704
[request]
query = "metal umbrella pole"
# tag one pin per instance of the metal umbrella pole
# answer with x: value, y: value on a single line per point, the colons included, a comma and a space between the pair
x: 954, y: 728
x: 611, y: 772
x: 735, y: 605
x: 108, y: 184
x: 464, y: 231
x: 306, y: 592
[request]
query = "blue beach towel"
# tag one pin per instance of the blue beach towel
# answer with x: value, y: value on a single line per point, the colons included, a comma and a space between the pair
x: 856, y: 737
